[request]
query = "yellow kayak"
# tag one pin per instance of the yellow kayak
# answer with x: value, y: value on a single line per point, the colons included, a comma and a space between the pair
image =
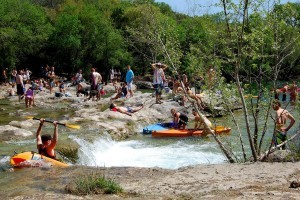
x: 26, y: 159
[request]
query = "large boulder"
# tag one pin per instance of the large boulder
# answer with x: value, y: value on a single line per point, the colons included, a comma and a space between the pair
x: 144, y: 85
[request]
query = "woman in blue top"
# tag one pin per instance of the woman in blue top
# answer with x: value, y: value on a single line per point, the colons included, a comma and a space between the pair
x: 129, y: 80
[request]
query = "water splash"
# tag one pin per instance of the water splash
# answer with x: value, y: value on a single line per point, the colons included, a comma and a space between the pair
x: 105, y: 152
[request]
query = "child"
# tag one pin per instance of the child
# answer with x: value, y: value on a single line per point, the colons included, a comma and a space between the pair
x: 29, y: 98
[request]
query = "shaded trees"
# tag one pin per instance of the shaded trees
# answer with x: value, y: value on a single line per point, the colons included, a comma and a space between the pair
x: 23, y: 31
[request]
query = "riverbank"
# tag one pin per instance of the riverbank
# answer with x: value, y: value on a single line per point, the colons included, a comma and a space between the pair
x: 221, y: 181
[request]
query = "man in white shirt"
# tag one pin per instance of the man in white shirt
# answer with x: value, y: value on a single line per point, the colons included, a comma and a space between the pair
x: 158, y: 79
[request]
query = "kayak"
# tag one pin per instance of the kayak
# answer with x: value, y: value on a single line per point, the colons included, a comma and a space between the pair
x: 30, y: 158
x: 157, y: 127
x: 188, y: 132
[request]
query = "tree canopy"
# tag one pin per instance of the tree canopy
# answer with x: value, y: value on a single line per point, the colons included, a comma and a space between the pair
x: 73, y: 34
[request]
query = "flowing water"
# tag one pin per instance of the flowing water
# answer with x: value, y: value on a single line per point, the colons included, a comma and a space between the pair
x: 102, y: 151
x: 146, y: 151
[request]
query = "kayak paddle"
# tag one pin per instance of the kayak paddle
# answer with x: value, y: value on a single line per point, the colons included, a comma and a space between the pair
x: 63, y: 124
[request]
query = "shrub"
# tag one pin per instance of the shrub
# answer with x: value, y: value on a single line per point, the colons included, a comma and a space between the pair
x: 93, y: 184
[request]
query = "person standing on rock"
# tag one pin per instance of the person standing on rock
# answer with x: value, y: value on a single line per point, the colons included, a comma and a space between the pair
x: 95, y: 79
x: 281, y: 123
x: 294, y: 93
x: 158, y: 80
x: 51, y: 77
x: 20, y: 85
x: 129, y: 80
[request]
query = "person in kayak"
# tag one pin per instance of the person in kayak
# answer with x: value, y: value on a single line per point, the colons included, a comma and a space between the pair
x: 46, y: 143
x: 180, y: 120
x: 281, y: 121
x: 125, y: 110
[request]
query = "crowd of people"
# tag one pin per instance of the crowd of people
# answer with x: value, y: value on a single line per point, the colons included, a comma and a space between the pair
x: 93, y: 88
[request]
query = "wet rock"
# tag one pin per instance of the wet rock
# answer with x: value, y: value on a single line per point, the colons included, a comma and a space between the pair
x: 8, y: 132
x: 21, y: 124
x: 144, y: 85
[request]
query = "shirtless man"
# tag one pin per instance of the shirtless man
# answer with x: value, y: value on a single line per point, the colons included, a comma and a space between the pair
x: 294, y: 92
x: 125, y: 110
x: 281, y: 123
x: 284, y: 91
x: 46, y: 143
x: 180, y: 120
x: 197, y: 98
x: 51, y: 76
x: 20, y: 85
x: 199, y: 122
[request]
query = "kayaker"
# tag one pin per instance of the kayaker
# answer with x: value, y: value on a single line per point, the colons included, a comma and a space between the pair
x: 199, y: 122
x: 46, y: 143
x: 125, y: 110
x: 180, y: 120
x: 281, y: 121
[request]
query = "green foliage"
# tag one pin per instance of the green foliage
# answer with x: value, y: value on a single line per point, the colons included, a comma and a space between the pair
x: 23, y: 30
x: 151, y: 33
x: 75, y: 34
x: 93, y: 184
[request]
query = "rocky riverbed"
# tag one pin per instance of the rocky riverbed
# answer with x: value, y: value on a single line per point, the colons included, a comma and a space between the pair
x: 226, y: 181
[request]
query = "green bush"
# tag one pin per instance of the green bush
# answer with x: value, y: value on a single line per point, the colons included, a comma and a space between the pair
x: 93, y: 184
x: 68, y: 153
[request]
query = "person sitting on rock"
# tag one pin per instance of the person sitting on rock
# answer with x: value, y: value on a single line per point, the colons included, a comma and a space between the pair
x: 83, y: 88
x: 125, y: 110
x: 196, y: 97
x: 122, y: 91
x: 62, y: 87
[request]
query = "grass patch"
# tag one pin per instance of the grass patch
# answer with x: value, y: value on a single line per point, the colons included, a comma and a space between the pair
x: 103, y: 107
x: 68, y: 153
x: 93, y: 184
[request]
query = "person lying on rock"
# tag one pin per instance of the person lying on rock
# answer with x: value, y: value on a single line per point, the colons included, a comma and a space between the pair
x: 125, y: 110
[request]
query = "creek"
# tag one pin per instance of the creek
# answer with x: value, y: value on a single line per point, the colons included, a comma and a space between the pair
x: 101, y: 151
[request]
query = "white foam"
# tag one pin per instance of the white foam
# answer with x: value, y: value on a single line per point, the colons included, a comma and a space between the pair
x: 134, y: 153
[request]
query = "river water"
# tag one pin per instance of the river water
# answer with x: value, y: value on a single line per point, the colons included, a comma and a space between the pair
x: 102, y: 151
x: 140, y: 151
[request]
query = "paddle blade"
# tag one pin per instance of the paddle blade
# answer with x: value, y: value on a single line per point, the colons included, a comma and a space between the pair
x: 29, y: 117
x: 72, y: 126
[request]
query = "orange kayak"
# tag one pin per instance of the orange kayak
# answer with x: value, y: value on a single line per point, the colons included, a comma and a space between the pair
x: 188, y: 132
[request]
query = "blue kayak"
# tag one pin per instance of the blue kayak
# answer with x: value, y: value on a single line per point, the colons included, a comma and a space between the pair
x: 157, y: 127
